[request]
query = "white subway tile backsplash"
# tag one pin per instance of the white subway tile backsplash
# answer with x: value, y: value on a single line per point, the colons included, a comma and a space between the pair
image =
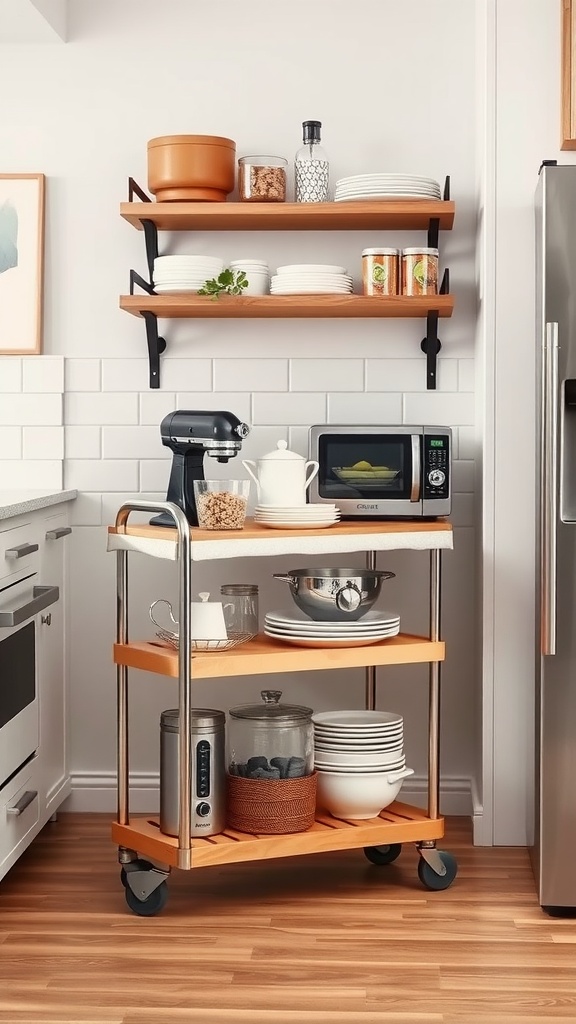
x: 260, y: 440
x: 408, y: 375
x: 132, y: 443
x: 186, y: 374
x: 327, y: 375
x: 43, y: 442
x: 101, y: 408
x: 31, y: 475
x: 155, y: 405
x: 250, y: 374
x: 31, y: 410
x: 291, y: 408
x: 10, y: 374
x: 298, y: 440
x: 10, y: 442
x: 363, y: 408
x: 111, y: 503
x: 43, y: 374
x: 468, y: 446
x: 82, y: 442
x: 125, y: 374
x: 86, y: 510
x: 437, y: 408
x: 239, y: 404
x: 96, y: 475
x: 462, y: 476
x: 154, y: 475
x: 82, y: 374
x: 465, y: 374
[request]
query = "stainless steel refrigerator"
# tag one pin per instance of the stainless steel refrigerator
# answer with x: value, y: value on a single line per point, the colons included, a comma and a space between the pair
x: 554, y: 850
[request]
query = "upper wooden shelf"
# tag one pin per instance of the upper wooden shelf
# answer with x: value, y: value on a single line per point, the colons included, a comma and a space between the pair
x: 389, y: 214
x: 275, y: 306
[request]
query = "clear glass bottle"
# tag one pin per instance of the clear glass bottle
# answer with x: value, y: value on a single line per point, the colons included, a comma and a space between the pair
x: 311, y: 170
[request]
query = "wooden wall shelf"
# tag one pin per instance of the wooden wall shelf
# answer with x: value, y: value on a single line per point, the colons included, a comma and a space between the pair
x: 286, y: 306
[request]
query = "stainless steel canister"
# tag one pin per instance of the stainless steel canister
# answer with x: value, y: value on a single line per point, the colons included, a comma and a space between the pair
x: 208, y: 790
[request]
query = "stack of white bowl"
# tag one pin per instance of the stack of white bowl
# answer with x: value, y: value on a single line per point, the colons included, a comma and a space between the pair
x: 258, y: 275
x: 311, y: 279
x: 173, y: 274
x: 359, y: 758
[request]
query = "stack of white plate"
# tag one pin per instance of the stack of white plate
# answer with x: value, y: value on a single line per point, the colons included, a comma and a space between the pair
x: 386, y: 186
x: 296, y: 628
x: 297, y: 517
x: 257, y: 273
x: 311, y: 279
x: 363, y: 742
x: 174, y: 274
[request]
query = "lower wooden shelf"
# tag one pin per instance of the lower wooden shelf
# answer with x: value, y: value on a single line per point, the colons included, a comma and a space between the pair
x: 399, y: 823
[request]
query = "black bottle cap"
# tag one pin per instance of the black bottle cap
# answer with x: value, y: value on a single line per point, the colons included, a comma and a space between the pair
x: 311, y: 131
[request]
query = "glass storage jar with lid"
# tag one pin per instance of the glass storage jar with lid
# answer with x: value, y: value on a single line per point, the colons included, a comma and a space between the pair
x: 262, y: 179
x: 270, y: 740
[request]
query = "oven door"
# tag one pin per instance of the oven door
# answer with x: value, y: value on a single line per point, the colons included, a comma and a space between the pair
x: 368, y: 472
x: 20, y: 605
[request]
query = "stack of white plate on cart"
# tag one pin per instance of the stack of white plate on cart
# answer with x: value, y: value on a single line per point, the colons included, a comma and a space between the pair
x: 173, y: 274
x: 386, y: 186
x: 311, y: 279
x: 294, y: 627
x: 297, y: 517
x: 364, y: 742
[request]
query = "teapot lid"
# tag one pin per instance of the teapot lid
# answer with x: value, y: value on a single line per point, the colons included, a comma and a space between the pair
x: 282, y: 452
x: 272, y: 710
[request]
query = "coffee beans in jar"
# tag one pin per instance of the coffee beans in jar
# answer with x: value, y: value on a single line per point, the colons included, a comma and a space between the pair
x: 380, y: 271
x: 262, y: 179
x: 420, y: 271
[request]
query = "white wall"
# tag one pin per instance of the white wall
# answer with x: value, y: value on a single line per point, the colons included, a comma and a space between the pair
x: 400, y: 95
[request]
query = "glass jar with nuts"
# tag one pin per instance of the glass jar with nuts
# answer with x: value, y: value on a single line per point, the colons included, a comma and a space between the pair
x: 221, y: 504
x: 262, y: 179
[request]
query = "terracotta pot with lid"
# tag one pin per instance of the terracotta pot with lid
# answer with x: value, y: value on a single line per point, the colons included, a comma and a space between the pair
x: 191, y: 167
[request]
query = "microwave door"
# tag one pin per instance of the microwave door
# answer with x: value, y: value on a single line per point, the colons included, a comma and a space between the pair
x: 368, y: 472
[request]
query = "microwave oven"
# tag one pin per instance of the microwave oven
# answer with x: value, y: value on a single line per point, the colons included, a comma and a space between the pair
x: 381, y: 472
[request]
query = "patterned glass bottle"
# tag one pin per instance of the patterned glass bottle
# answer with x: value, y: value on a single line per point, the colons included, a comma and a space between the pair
x: 311, y: 171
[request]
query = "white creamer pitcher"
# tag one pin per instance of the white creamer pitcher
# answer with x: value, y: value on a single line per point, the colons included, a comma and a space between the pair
x: 281, y: 477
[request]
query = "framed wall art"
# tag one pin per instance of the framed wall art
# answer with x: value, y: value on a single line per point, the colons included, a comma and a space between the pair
x: 568, y: 74
x: 21, y: 263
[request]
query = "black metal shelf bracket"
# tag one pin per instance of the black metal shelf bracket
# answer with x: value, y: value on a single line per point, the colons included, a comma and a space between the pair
x: 431, y: 344
x: 156, y: 345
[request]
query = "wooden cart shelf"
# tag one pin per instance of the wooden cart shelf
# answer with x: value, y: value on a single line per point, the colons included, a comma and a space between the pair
x: 399, y: 823
x: 185, y: 306
x: 264, y: 654
x: 384, y: 215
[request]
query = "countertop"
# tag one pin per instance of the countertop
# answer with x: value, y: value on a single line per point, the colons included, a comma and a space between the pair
x: 15, y: 503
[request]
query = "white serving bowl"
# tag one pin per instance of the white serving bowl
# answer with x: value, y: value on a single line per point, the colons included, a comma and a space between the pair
x: 358, y: 796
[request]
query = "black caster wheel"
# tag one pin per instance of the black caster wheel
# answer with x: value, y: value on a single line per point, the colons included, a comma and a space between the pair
x: 151, y: 906
x: 429, y: 878
x: 383, y: 854
x: 143, y: 865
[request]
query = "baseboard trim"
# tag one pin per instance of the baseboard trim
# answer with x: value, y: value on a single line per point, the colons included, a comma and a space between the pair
x: 96, y: 791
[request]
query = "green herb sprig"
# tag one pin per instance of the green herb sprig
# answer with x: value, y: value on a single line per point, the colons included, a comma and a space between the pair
x: 228, y: 282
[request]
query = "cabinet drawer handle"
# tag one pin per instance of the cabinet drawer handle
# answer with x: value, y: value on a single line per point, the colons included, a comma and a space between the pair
x: 21, y: 550
x: 23, y: 803
x: 42, y: 597
x: 60, y: 531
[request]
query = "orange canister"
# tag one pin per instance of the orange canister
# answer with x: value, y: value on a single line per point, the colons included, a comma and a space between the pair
x: 420, y: 271
x: 380, y: 271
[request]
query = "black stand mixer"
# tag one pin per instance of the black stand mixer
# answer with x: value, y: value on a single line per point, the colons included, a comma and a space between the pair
x: 191, y: 435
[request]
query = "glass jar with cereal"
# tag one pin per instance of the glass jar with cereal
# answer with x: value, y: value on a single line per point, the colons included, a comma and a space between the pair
x: 262, y: 179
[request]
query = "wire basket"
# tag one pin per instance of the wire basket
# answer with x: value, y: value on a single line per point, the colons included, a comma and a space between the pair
x: 171, y: 636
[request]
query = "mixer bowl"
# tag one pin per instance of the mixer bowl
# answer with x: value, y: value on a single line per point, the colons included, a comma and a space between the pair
x: 334, y: 595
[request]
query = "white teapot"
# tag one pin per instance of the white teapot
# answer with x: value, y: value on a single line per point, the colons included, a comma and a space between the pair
x: 281, y: 477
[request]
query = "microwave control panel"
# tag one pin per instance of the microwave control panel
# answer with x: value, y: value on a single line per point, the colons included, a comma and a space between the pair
x: 436, y: 466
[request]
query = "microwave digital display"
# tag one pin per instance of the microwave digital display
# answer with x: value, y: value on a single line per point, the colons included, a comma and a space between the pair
x: 436, y: 443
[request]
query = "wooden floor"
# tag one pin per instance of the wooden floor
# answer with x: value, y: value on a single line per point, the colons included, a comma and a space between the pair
x: 325, y: 938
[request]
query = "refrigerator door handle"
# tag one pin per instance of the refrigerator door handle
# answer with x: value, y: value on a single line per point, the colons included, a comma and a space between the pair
x: 549, y: 490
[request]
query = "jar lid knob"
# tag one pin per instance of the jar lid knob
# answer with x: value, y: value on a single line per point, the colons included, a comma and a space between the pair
x: 282, y: 445
x: 270, y: 696
x: 204, y: 595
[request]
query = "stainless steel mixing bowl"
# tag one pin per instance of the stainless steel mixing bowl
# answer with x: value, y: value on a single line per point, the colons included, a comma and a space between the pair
x: 334, y: 595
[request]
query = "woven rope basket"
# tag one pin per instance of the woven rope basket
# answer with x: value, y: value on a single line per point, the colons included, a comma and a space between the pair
x: 271, y: 806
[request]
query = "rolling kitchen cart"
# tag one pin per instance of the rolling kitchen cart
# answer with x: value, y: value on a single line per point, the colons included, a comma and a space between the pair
x: 382, y: 837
